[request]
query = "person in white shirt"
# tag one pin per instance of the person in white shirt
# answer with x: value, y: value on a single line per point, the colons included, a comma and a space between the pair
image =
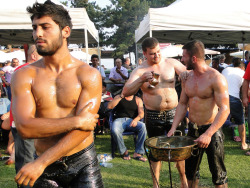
x: 8, y: 70
x: 95, y: 63
x: 234, y: 76
x: 118, y: 75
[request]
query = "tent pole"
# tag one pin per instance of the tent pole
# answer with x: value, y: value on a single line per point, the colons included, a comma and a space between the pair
x: 99, y: 55
x: 243, y: 51
x: 86, y: 45
x: 136, y: 55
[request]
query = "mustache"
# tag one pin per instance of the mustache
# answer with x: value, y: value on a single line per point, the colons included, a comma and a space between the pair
x: 40, y: 40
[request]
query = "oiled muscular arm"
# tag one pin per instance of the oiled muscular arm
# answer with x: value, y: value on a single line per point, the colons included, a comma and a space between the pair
x: 91, y: 92
x: 178, y: 66
x: 24, y: 109
x: 221, y: 97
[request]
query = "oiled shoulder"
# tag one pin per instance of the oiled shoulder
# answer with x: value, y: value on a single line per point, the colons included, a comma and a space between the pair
x: 215, y: 75
x: 178, y: 66
x: 87, y: 73
x: 27, y: 72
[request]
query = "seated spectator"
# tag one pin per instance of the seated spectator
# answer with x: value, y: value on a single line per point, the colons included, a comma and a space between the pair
x: 10, y: 147
x: 5, y: 128
x: 118, y: 74
x: 95, y: 63
x: 4, y: 108
x: 127, y: 63
x: 127, y: 114
x: 103, y: 114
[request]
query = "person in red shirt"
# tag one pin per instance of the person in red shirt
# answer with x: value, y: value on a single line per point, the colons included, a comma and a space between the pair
x: 246, y: 97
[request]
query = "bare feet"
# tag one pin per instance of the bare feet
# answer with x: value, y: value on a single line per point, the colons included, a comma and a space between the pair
x: 126, y: 155
x: 139, y: 157
x: 9, y: 162
x: 245, y: 147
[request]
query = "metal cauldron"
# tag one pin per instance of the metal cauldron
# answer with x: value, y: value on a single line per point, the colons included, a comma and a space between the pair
x: 175, y: 148
x: 170, y: 149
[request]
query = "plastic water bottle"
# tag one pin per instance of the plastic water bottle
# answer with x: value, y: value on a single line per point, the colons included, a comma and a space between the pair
x: 104, y: 158
x: 106, y: 165
x: 186, y: 131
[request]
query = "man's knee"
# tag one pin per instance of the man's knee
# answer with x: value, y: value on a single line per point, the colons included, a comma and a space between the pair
x: 116, y: 130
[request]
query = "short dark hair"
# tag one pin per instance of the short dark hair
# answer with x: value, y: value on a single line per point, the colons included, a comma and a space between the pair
x: 57, y: 12
x: 94, y: 56
x: 149, y: 42
x: 195, y: 48
x: 236, y: 62
x: 14, y: 59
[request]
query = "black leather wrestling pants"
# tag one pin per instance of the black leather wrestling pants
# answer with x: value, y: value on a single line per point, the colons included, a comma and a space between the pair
x: 80, y: 170
x: 158, y: 123
x: 215, y: 155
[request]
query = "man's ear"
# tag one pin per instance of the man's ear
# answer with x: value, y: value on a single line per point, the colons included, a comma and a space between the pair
x: 66, y: 31
x: 194, y: 59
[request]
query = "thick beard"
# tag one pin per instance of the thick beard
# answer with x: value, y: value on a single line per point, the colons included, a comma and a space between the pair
x: 56, y: 44
x: 190, y: 66
x: 50, y: 52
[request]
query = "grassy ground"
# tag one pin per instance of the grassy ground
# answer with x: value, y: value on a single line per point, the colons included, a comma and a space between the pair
x: 135, y: 174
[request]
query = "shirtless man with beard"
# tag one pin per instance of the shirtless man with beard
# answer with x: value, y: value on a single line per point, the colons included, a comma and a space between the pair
x: 205, y: 93
x: 160, y: 101
x: 55, y: 101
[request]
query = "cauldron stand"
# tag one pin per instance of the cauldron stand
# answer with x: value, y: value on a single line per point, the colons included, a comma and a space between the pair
x: 169, y: 167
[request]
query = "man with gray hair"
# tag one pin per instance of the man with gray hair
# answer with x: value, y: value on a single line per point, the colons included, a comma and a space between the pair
x: 118, y: 75
x: 222, y: 64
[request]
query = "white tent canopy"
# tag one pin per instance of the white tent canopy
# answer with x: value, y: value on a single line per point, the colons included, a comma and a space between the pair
x: 15, y: 24
x: 79, y: 54
x: 176, y: 50
x: 211, y: 21
x: 237, y: 54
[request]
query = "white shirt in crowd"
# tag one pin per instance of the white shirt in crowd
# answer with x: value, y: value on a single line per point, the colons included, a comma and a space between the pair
x: 234, y: 77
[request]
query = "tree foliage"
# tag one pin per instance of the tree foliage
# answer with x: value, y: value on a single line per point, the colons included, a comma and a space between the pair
x: 79, y: 3
x: 123, y: 16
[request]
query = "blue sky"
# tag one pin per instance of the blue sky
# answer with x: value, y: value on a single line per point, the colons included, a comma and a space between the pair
x: 101, y: 3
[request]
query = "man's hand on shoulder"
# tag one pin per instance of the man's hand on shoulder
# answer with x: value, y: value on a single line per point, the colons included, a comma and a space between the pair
x: 184, y: 76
